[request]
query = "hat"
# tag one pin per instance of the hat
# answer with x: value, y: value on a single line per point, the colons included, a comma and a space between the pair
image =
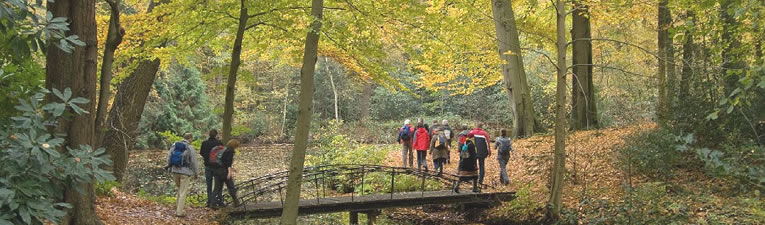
x: 406, y: 122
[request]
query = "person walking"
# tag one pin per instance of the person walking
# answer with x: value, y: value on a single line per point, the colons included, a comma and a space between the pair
x: 208, y: 145
x: 449, y: 135
x: 482, y: 147
x: 504, y: 148
x: 433, y: 127
x: 462, y: 136
x: 439, y: 150
x: 421, y: 145
x: 223, y: 172
x: 405, y: 134
x: 467, y: 171
x: 182, y: 163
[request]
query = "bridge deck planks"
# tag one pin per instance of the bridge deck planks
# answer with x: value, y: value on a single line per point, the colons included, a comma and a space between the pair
x: 369, y: 202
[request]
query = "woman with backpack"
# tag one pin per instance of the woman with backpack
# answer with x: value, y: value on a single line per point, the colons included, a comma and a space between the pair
x: 468, y: 169
x: 439, y: 150
x: 504, y: 147
x: 221, y: 161
x: 421, y: 145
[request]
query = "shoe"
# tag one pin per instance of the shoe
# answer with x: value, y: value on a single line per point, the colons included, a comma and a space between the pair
x: 476, y: 190
x: 456, y: 190
x: 180, y: 216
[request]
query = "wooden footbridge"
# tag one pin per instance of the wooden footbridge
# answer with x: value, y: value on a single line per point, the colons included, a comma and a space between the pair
x: 356, y: 189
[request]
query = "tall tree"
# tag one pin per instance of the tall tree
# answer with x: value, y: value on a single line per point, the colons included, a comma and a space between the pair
x: 583, y: 103
x: 334, y: 89
x: 733, y: 61
x: 559, y: 164
x: 126, y: 112
x: 236, y: 54
x: 662, y: 39
x: 513, y: 73
x: 78, y: 72
x: 113, y: 39
x: 290, y: 210
x: 688, y: 50
x: 365, y: 100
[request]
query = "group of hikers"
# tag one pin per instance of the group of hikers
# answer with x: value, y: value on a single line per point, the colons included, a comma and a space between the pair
x: 218, y: 160
x: 473, y: 146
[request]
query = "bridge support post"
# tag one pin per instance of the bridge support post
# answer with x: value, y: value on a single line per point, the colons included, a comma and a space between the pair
x: 372, y: 217
x: 354, y: 217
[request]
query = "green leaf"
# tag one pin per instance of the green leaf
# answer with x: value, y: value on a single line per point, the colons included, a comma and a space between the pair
x: 712, y: 116
x: 24, y: 213
x: 79, y: 100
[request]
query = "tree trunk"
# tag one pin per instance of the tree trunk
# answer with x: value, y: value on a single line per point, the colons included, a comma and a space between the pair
x: 559, y: 166
x: 688, y: 50
x: 126, y: 114
x: 290, y: 210
x: 113, y: 39
x: 663, y: 35
x: 284, y: 109
x: 332, y: 82
x: 236, y: 53
x: 583, y: 103
x: 513, y: 72
x: 671, y: 69
x: 365, y: 101
x: 732, y: 59
x: 78, y: 72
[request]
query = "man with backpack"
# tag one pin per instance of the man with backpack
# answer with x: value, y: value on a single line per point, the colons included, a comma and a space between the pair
x: 504, y: 148
x: 182, y: 163
x: 449, y: 135
x: 208, y: 145
x: 405, y: 135
x: 482, y: 147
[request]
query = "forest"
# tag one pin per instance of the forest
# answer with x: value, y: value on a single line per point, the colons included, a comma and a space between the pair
x: 618, y: 111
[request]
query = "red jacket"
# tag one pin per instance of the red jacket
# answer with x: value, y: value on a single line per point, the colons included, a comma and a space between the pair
x: 421, y: 139
x: 479, y: 131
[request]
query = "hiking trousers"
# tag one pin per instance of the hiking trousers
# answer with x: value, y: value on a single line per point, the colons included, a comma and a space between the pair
x: 422, y: 160
x: 481, y: 169
x: 220, y: 177
x: 182, y: 184
x: 503, y: 178
x: 209, y: 183
x: 407, y: 153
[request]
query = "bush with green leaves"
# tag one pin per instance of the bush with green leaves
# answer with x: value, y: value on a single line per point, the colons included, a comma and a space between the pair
x: 180, y: 106
x: 36, y: 166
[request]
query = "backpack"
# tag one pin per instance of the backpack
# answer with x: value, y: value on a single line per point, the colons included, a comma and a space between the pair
x: 216, y: 155
x: 464, y: 153
x: 441, y: 142
x: 176, y: 158
x: 405, y: 133
x: 481, y: 144
x: 504, y: 146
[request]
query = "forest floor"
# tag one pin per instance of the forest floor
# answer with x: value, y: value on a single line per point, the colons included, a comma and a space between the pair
x: 593, y: 164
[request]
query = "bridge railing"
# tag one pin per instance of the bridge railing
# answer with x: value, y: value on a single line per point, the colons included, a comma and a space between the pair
x: 320, y: 180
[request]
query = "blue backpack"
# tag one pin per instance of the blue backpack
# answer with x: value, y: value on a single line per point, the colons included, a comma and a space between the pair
x: 176, y: 158
x: 405, y: 133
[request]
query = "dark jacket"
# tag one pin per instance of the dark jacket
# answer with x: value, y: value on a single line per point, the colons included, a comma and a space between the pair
x: 228, y: 157
x: 468, y: 167
x: 482, y: 146
x: 207, y: 146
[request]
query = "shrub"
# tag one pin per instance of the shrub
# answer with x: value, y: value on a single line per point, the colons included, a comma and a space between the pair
x: 34, y: 172
x: 655, y: 152
x: 105, y: 188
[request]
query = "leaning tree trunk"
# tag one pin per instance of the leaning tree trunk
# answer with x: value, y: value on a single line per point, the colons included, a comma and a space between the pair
x: 236, y: 54
x: 78, y: 72
x: 513, y: 72
x: 290, y: 210
x: 583, y: 103
x: 559, y: 164
x: 113, y: 39
x: 126, y: 113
